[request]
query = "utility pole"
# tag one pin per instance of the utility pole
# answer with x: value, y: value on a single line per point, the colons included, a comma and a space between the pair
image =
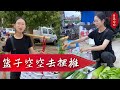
x: 2, y: 22
x: 62, y: 20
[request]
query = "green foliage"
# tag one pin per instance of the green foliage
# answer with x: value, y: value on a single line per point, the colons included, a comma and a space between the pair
x: 33, y: 18
x: 110, y: 73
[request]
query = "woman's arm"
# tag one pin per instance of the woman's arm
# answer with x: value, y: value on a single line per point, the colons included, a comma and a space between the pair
x: 32, y: 51
x: 97, y: 48
x: 80, y: 40
x: 101, y: 47
x: 75, y: 41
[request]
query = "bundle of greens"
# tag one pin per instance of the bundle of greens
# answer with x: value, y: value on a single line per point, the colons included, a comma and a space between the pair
x: 66, y: 74
x: 103, y: 72
x: 61, y: 51
x: 96, y: 72
x: 61, y: 45
x: 79, y: 75
x: 110, y: 73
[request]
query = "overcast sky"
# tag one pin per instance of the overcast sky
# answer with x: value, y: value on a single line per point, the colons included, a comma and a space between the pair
x: 70, y: 13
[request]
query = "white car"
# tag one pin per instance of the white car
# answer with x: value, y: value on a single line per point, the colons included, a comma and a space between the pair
x: 44, y: 31
x: 9, y: 30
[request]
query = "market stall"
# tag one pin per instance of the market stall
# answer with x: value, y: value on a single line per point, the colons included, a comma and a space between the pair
x: 89, y: 72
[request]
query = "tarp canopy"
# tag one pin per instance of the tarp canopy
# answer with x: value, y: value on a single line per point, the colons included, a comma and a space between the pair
x: 87, y: 16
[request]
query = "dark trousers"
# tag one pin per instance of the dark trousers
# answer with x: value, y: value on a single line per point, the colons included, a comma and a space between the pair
x: 104, y: 57
x: 15, y: 75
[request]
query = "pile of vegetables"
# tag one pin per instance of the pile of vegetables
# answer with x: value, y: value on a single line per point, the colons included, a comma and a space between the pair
x: 96, y: 72
x: 79, y: 75
x: 103, y: 72
x: 110, y: 73
x: 66, y: 74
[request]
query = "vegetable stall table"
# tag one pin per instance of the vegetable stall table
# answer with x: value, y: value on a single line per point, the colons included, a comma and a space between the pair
x: 84, y: 73
x: 102, y: 72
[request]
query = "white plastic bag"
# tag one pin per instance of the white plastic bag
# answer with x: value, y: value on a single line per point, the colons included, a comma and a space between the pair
x: 31, y: 75
x: 86, y: 55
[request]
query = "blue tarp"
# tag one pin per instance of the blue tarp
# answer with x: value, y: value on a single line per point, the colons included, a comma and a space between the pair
x: 87, y: 16
x: 77, y: 44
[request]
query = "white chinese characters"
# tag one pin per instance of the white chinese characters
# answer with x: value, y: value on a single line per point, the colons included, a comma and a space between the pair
x: 29, y: 63
x: 73, y: 63
x: 51, y: 63
x: 6, y: 63
x: 17, y: 62
x: 62, y: 62
x: 39, y: 63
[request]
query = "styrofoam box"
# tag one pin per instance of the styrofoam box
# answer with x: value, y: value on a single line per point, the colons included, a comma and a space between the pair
x: 30, y: 75
x: 51, y: 77
x: 25, y: 75
x: 39, y: 75
x: 48, y: 73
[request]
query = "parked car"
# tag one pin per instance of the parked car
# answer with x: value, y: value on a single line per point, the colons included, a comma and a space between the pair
x: 9, y: 30
x: 45, y: 31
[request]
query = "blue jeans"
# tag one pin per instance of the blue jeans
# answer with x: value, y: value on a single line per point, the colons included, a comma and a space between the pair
x: 105, y: 57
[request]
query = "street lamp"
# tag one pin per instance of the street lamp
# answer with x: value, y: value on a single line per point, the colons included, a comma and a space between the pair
x: 62, y: 19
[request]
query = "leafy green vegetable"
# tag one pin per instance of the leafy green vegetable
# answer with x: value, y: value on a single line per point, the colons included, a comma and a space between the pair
x: 106, y: 69
x: 110, y: 73
x: 60, y: 51
x: 66, y: 74
x: 79, y: 75
x: 85, y: 70
x: 97, y: 71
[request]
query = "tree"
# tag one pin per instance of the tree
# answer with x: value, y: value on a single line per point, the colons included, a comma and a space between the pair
x: 34, y: 18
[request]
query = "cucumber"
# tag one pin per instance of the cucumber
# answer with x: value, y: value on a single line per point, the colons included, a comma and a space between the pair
x: 66, y: 74
x: 75, y: 74
x: 81, y: 76
x: 97, y: 72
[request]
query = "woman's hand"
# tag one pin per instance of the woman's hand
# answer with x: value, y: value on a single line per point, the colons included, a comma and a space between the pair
x: 85, y: 50
x: 65, y: 46
x: 42, y: 52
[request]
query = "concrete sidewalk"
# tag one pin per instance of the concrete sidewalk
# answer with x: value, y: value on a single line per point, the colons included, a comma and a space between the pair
x: 116, y: 48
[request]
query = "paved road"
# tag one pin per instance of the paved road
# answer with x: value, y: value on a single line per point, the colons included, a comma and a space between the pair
x: 116, y: 48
